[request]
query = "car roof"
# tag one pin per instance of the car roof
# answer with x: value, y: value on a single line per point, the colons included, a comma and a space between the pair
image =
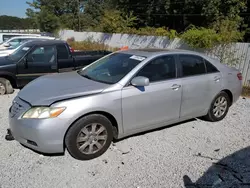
x: 148, y: 52
x: 33, y: 37
x: 45, y: 42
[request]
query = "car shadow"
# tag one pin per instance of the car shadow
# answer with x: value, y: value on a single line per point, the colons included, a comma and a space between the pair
x: 44, y: 154
x: 232, y: 171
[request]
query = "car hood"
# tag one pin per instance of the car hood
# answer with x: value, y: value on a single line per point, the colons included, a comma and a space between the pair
x: 5, y: 61
x: 48, y: 89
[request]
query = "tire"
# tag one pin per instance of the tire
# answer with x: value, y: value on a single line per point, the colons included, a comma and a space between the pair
x: 5, y: 87
x: 85, y: 135
x: 211, y: 116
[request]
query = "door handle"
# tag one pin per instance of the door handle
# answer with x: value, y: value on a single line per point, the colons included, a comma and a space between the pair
x: 175, y: 87
x: 216, y: 79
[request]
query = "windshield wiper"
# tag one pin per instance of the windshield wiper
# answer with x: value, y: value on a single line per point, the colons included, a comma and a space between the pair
x: 96, y: 80
x: 86, y: 76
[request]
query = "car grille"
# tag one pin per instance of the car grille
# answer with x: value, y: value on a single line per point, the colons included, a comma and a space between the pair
x: 15, y: 109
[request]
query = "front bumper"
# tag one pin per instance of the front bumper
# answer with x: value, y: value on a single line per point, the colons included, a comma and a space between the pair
x: 42, y: 135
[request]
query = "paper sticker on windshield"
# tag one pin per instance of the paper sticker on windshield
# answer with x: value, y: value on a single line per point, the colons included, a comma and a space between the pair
x: 25, y: 48
x: 139, y: 58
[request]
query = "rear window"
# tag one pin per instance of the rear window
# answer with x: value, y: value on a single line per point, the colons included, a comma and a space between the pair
x: 62, y: 52
x: 210, y: 68
x: 192, y: 65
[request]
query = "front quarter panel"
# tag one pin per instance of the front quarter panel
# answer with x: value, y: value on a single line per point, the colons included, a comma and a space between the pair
x: 109, y: 102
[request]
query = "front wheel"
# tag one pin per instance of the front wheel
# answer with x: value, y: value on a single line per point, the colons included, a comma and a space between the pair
x: 219, y: 107
x: 89, y: 137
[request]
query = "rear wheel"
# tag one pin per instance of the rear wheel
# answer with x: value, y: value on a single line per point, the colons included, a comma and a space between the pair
x: 219, y: 107
x: 5, y: 87
x: 89, y: 137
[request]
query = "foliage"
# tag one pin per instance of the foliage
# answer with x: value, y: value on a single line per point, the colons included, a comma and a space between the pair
x: 114, y: 21
x: 56, y: 14
x: 200, y: 38
x: 228, y: 32
x: 177, y: 15
x: 47, y: 22
x: 89, y: 44
x: 93, y: 13
x: 246, y: 91
x: 144, y: 17
x: 151, y: 31
x: 217, y: 40
x: 215, y: 9
x: 10, y: 22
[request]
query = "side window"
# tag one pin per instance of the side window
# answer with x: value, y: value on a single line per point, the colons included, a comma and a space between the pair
x: 44, y: 54
x: 210, y: 68
x: 192, y: 65
x: 159, y: 69
x: 62, y: 52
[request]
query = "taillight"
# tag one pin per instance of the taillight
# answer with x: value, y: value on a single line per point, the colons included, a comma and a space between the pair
x: 239, y: 75
x: 71, y: 49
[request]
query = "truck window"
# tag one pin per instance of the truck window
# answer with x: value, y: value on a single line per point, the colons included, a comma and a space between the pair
x: 62, y: 52
x: 44, y: 54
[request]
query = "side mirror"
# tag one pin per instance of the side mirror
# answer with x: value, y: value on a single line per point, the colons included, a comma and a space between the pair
x: 140, y: 81
x: 7, y: 45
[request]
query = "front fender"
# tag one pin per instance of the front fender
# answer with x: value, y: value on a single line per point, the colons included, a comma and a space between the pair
x: 104, y: 102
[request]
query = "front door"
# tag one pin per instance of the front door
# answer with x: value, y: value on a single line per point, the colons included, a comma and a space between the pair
x: 39, y: 61
x: 156, y: 104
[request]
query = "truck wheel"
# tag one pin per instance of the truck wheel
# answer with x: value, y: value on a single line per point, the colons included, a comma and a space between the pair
x: 5, y: 87
x: 89, y: 137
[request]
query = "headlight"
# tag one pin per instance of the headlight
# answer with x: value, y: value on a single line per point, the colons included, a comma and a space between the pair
x: 43, y: 112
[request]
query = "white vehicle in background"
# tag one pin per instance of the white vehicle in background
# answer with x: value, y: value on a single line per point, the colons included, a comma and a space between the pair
x: 16, y: 41
x: 6, y: 36
x: 11, y: 49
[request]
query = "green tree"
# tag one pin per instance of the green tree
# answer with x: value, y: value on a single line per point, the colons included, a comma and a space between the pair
x: 214, y: 10
x: 60, y: 13
x: 47, y: 21
x: 11, y: 22
x: 115, y: 21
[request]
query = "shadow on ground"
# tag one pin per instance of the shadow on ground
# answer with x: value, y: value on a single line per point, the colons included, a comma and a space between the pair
x: 232, y: 171
x: 153, y: 130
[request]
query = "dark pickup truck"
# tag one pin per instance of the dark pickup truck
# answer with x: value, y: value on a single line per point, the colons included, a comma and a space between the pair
x: 37, y: 58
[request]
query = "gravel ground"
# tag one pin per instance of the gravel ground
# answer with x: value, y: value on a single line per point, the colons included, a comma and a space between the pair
x: 195, y: 151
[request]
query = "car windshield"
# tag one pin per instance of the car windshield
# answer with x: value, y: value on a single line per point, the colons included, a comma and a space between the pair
x: 112, y: 68
x: 19, y: 53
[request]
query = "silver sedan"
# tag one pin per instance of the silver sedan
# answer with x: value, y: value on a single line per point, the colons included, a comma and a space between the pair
x: 121, y: 94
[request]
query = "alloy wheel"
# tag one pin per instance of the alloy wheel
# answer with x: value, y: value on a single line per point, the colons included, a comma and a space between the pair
x: 92, y: 138
x: 220, y: 106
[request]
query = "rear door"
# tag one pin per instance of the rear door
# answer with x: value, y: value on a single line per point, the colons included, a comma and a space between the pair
x: 201, y: 82
x: 39, y: 61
